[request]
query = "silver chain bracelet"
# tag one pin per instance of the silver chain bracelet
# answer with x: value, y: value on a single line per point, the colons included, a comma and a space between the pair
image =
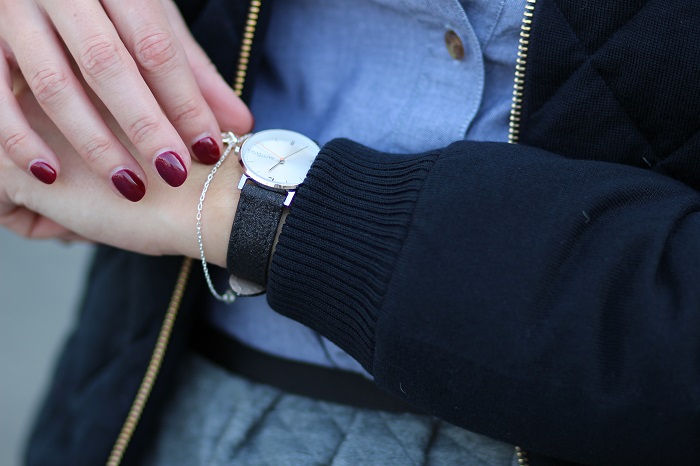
x: 229, y: 296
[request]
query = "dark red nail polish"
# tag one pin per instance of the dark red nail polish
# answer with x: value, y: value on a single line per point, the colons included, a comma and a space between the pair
x: 171, y: 168
x: 207, y: 151
x: 43, y: 172
x: 129, y: 185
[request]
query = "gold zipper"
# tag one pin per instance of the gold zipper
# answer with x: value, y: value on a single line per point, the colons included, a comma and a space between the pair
x: 515, y: 113
x: 522, y: 456
x: 520, y: 69
x: 247, y: 43
x: 154, y: 365
x: 156, y: 361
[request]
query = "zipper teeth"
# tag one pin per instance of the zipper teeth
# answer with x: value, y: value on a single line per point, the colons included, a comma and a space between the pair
x: 156, y: 361
x: 520, y: 68
x: 522, y: 456
x: 154, y: 366
x: 247, y: 43
x: 515, y: 113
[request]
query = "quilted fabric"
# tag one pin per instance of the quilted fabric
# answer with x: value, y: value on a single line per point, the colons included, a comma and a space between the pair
x: 616, y: 81
x: 216, y: 419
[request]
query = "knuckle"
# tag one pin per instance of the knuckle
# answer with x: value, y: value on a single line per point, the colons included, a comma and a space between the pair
x: 96, y: 149
x: 143, y: 128
x: 49, y: 84
x: 99, y: 56
x: 155, y: 51
x: 13, y: 140
x: 187, y: 111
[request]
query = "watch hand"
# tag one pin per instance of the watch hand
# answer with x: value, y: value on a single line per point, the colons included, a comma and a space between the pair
x: 278, y: 163
x: 282, y: 159
x: 287, y: 156
x: 265, y: 147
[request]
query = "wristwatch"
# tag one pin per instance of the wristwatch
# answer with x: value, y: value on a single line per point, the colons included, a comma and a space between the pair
x: 276, y: 162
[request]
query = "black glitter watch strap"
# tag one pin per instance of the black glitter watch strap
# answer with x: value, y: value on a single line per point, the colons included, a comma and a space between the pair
x: 253, y: 232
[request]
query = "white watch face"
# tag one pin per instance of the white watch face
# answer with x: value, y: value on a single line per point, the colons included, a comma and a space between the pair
x: 278, y: 158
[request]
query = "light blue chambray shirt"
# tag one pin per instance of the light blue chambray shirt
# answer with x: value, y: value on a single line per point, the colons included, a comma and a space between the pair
x: 377, y: 72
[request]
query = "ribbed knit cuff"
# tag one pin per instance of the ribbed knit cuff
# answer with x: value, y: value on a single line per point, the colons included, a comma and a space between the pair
x: 341, y: 239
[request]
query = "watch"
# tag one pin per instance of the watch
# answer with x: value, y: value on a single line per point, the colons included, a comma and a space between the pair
x: 275, y: 162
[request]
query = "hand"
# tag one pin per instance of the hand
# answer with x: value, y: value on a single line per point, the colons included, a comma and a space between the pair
x: 78, y: 205
x: 139, y: 59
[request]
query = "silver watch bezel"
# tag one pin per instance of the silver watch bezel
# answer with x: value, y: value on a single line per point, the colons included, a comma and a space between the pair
x: 252, y: 175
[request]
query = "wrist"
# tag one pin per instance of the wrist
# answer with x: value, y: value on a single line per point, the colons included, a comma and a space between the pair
x: 218, y: 212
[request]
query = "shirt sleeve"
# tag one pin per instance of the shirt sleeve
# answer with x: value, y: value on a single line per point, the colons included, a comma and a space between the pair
x: 544, y: 301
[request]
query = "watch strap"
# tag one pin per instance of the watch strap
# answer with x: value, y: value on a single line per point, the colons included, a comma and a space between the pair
x: 253, y: 232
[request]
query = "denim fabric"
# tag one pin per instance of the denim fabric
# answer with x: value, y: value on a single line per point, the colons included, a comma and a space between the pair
x: 380, y: 74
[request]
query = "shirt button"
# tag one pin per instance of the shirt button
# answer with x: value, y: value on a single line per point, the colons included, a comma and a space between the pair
x: 454, y: 45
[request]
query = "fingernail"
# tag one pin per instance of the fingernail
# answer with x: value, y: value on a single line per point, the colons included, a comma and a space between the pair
x: 207, y: 150
x: 171, y: 168
x: 129, y: 185
x: 43, y: 172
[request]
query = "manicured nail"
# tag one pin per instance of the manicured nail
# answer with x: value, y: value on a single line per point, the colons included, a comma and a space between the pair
x: 171, y: 168
x: 207, y: 150
x: 129, y: 185
x: 43, y: 172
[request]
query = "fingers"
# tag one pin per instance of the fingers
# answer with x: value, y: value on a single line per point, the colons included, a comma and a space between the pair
x: 146, y: 31
x: 18, y: 140
x: 60, y: 94
x: 31, y: 225
x: 147, y: 73
x: 230, y: 111
x: 111, y: 73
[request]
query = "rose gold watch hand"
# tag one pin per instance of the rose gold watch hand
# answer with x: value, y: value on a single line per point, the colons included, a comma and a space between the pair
x: 265, y: 147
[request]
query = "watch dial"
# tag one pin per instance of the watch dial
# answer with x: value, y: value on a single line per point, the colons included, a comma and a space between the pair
x: 278, y: 158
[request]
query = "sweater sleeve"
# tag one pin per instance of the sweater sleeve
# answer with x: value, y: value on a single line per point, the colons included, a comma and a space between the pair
x: 547, y: 302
